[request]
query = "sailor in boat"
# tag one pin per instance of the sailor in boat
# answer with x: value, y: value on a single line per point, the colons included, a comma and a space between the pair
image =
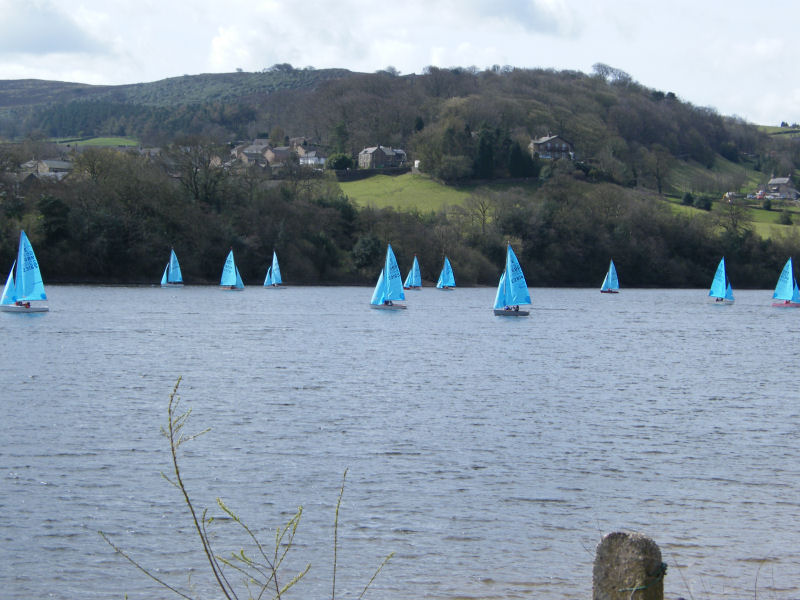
x: 516, y: 307
x: 387, y: 302
x: 21, y: 303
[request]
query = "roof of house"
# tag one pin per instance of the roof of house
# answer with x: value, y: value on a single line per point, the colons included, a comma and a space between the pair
x: 778, y: 181
x: 548, y: 138
x: 385, y: 149
x: 58, y: 164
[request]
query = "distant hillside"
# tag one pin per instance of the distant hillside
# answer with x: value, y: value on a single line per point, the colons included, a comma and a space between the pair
x: 461, y: 124
x: 175, y: 91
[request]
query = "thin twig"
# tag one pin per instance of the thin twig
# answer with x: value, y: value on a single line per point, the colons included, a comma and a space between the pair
x: 141, y: 568
x: 336, y: 536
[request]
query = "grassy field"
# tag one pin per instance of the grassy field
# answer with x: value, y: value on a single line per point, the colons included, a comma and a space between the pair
x: 764, y: 223
x: 775, y: 130
x: 419, y: 192
x: 403, y: 192
x: 685, y: 176
x: 101, y: 142
x: 414, y: 191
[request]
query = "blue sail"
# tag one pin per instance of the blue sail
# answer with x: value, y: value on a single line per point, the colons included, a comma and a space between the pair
x: 446, y: 279
x: 380, y: 290
x: 175, y: 275
x: 230, y: 274
x: 512, y: 289
x: 720, y: 286
x: 268, y: 278
x: 611, y: 281
x: 172, y: 272
x: 276, y: 270
x: 9, y: 291
x: 28, y: 281
x: 414, y: 278
x: 239, y: 282
x: 390, y: 283
x: 786, y: 286
x: 500, y: 297
x: 394, y: 280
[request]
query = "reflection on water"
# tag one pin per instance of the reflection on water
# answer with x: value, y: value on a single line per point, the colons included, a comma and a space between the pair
x: 489, y: 454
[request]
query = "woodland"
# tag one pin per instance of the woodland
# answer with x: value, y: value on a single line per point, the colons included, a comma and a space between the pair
x: 115, y: 217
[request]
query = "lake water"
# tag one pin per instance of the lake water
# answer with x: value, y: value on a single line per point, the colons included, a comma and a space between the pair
x: 490, y: 454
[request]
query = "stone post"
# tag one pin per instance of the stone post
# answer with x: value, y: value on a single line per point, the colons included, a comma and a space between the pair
x: 628, y: 566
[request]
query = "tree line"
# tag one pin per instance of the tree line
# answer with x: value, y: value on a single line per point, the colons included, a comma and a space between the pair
x: 461, y: 123
x: 118, y: 214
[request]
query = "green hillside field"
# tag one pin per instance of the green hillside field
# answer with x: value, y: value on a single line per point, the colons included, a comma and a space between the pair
x: 403, y: 192
x: 413, y: 191
x: 103, y: 142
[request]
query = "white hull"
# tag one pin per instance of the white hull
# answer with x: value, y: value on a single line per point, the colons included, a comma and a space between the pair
x: 720, y: 301
x: 388, y: 306
x: 231, y: 288
x: 502, y: 312
x: 16, y: 308
x: 171, y: 285
x: 274, y: 287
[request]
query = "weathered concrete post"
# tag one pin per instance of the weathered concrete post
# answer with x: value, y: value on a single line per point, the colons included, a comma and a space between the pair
x: 628, y: 566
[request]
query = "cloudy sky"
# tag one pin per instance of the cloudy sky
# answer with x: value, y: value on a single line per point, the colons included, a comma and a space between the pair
x: 738, y: 57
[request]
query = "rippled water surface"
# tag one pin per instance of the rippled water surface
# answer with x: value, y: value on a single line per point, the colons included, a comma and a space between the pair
x: 490, y: 454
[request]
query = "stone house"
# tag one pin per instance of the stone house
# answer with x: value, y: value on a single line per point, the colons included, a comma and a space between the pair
x: 253, y: 153
x: 782, y: 187
x: 381, y: 157
x: 47, y: 168
x: 551, y: 147
x: 279, y: 155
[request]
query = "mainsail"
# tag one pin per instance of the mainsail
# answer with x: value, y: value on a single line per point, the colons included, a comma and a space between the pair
x: 230, y: 274
x: 414, y: 278
x: 390, y: 283
x: 446, y: 279
x: 512, y: 289
x: 611, y: 281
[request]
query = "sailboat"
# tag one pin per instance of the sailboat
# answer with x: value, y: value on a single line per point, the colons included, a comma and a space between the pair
x: 172, y: 272
x: 389, y: 288
x: 24, y: 289
x: 786, y: 289
x: 721, y: 289
x: 273, y: 279
x: 231, y: 280
x: 413, y: 279
x: 446, y: 279
x: 611, y: 282
x: 512, y: 289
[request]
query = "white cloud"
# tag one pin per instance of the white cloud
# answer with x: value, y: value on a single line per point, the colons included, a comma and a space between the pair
x: 39, y: 28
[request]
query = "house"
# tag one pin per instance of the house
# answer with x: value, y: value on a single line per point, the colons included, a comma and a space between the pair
x: 781, y: 187
x: 278, y: 156
x: 311, y: 157
x: 551, y: 147
x: 381, y: 157
x: 253, y: 154
x: 47, y: 169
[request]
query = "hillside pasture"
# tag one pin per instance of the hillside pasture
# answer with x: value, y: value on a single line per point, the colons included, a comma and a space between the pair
x: 101, y: 142
x: 409, y: 191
